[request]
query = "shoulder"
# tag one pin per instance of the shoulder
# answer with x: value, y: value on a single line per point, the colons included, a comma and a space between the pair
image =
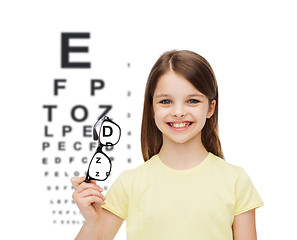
x: 223, y: 167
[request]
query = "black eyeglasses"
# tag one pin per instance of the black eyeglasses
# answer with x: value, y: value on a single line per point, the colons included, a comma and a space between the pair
x: 107, y: 133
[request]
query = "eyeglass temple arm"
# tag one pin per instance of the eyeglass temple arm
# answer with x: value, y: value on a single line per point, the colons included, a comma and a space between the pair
x: 99, y: 122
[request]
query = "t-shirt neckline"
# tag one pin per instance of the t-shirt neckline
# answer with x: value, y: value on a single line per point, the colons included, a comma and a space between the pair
x: 198, y: 166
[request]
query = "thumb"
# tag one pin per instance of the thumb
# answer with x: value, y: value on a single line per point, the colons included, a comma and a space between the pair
x: 76, y: 181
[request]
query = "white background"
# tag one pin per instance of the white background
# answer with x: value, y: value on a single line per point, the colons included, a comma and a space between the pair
x: 251, y: 46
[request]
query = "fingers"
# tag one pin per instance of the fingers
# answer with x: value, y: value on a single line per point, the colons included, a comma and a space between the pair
x: 87, y: 201
x: 86, y: 194
x: 91, y: 192
x: 84, y: 185
x: 97, y: 202
x: 88, y: 197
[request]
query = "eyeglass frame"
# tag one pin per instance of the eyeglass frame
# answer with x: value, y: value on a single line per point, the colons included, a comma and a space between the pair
x: 96, y: 136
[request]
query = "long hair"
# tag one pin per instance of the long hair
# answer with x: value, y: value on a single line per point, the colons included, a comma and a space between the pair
x: 197, y: 71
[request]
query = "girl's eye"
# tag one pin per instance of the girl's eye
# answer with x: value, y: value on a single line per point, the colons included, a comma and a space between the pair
x: 166, y: 101
x: 193, y: 101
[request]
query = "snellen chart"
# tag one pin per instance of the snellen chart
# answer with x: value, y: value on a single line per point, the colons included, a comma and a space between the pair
x: 82, y: 93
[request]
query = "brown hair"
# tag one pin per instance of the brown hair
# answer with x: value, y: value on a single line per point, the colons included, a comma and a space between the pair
x: 197, y: 71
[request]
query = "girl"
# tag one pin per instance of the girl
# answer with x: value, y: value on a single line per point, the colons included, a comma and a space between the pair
x: 184, y: 190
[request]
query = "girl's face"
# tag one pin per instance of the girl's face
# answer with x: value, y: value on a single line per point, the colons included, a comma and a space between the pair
x: 180, y: 109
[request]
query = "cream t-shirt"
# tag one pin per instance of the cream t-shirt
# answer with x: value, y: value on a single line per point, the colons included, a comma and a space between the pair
x: 161, y: 203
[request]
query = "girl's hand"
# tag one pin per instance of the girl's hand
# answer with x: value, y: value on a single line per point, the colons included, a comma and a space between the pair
x: 88, y: 198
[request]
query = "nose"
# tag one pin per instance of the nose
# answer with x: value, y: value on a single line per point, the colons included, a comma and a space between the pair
x: 178, y: 111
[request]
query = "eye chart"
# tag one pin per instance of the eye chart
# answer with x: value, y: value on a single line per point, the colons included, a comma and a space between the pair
x: 88, y: 84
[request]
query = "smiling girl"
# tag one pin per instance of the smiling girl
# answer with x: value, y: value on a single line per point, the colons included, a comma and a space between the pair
x: 185, y: 189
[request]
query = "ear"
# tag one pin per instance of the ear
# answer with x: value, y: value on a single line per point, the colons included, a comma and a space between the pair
x: 211, y: 109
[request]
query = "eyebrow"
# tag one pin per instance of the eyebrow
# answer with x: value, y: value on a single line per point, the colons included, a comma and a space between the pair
x: 163, y: 95
x: 189, y: 96
x: 196, y: 95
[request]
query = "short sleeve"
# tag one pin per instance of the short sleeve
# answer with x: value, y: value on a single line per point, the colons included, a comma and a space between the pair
x: 246, y: 195
x: 117, y: 198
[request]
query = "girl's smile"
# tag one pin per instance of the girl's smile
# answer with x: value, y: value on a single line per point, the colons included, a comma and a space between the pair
x: 180, y: 125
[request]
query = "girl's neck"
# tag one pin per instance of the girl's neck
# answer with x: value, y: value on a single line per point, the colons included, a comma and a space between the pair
x: 182, y: 156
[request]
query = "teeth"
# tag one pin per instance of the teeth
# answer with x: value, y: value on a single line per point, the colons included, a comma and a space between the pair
x: 179, y: 125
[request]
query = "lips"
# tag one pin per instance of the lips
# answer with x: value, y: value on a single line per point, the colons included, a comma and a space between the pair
x: 179, y: 125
